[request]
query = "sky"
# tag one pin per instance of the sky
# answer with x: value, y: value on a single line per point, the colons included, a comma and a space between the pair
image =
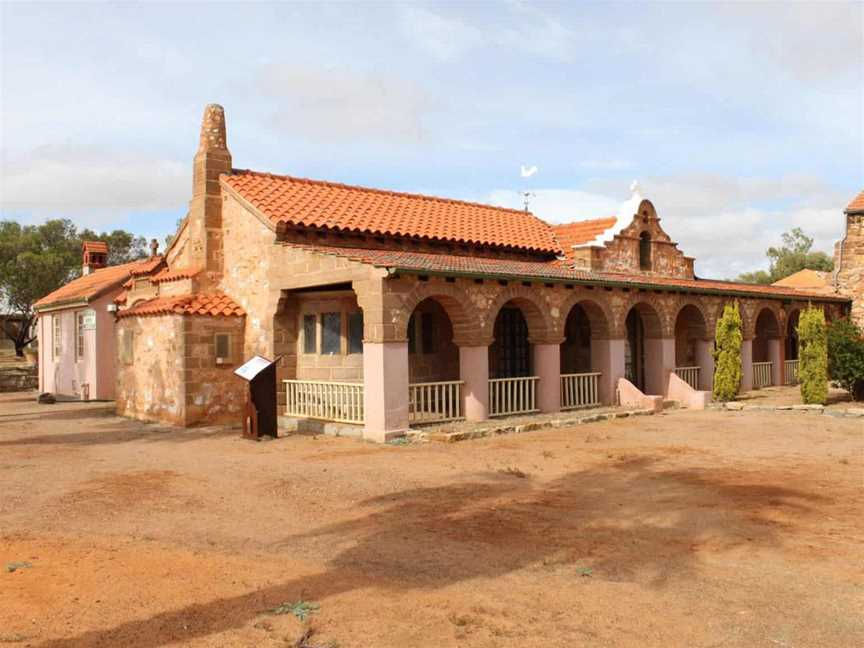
x: 739, y: 121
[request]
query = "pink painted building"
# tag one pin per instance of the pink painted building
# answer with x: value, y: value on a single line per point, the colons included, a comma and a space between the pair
x: 76, y: 327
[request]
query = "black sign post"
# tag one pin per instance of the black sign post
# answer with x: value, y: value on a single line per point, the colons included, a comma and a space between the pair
x: 259, y: 416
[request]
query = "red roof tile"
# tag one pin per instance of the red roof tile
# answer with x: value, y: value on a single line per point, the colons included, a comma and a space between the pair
x: 581, y: 232
x: 857, y: 204
x: 91, y: 285
x: 210, y: 304
x: 95, y: 246
x: 286, y: 200
x: 554, y: 270
x: 148, y: 265
x: 174, y: 275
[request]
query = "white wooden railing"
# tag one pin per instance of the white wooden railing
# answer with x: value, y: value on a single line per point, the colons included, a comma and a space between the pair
x: 579, y: 390
x: 690, y: 375
x: 331, y: 401
x: 512, y: 395
x: 762, y: 374
x: 435, y: 401
x: 790, y: 372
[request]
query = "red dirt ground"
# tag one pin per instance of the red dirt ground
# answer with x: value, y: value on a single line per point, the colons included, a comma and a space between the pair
x: 682, y: 529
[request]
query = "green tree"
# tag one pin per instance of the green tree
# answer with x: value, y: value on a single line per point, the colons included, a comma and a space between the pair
x: 37, y: 259
x: 795, y: 254
x: 727, y: 354
x: 846, y: 356
x: 813, y: 356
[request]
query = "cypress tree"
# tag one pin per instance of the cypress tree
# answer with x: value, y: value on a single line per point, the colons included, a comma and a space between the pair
x: 813, y: 356
x: 727, y: 354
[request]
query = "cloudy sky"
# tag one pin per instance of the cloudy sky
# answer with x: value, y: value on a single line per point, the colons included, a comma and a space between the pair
x: 740, y: 121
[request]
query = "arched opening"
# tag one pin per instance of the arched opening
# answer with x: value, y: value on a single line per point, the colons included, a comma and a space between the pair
x: 645, y: 251
x: 766, y: 350
x: 792, y: 336
x: 510, y: 351
x: 690, y: 331
x: 642, y: 363
x: 576, y: 348
x: 432, y: 354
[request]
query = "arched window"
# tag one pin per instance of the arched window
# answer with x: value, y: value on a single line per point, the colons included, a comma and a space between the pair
x: 645, y: 251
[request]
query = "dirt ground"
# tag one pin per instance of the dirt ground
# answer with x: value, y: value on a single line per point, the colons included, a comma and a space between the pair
x: 682, y: 529
x: 838, y: 399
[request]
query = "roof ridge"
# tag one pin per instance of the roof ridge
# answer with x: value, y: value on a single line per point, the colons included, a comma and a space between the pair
x: 584, y: 222
x: 390, y: 192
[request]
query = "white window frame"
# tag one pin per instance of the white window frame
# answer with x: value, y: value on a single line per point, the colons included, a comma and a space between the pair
x: 79, y: 336
x: 56, y: 336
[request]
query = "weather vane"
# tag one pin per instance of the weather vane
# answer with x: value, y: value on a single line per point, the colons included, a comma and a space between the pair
x: 527, y: 172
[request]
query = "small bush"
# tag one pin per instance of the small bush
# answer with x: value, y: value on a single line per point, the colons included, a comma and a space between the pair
x: 727, y: 354
x: 846, y: 356
x: 813, y: 356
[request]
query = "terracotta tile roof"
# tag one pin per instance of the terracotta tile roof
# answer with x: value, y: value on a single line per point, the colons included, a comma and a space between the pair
x: 210, y: 304
x: 121, y: 298
x: 287, y: 200
x: 95, y: 246
x: 91, y: 285
x: 148, y: 265
x: 582, y: 232
x: 857, y: 204
x: 174, y: 275
x: 806, y: 279
x: 555, y: 270
x: 452, y: 263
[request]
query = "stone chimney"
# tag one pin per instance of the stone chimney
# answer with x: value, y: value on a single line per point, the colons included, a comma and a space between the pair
x: 95, y: 256
x: 849, y: 259
x: 205, y: 209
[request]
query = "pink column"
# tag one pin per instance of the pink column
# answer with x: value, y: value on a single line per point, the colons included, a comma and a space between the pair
x: 547, y: 366
x: 385, y: 390
x: 705, y: 360
x: 746, y: 365
x: 607, y: 357
x: 474, y: 374
x: 659, y: 363
x: 775, y: 355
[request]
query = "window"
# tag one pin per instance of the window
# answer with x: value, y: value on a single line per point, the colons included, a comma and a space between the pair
x: 645, y: 251
x: 355, y: 332
x: 56, y: 337
x: 127, y: 346
x: 79, y: 335
x: 310, y: 343
x: 222, y: 342
x: 331, y: 333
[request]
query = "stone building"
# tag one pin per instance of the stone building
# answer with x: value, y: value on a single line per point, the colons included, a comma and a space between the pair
x: 389, y: 308
x: 849, y: 259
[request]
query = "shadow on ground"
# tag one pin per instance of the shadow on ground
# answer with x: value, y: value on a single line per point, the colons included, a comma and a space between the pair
x: 627, y: 521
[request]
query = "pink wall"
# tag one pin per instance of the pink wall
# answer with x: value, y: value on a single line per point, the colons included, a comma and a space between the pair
x: 68, y: 375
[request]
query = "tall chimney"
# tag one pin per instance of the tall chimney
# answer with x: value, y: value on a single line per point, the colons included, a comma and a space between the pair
x: 205, y: 209
x: 95, y: 256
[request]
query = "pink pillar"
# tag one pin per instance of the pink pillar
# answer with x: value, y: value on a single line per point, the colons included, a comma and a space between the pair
x: 659, y: 363
x: 385, y: 390
x: 705, y: 360
x: 547, y: 366
x: 746, y: 365
x: 775, y: 355
x: 607, y: 357
x: 474, y: 374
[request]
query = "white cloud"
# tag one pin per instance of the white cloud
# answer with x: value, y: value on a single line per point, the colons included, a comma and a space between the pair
x: 723, y: 222
x: 445, y: 38
x: 95, y: 187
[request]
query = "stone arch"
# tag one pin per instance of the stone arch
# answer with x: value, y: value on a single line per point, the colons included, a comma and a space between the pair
x: 698, y: 314
x: 467, y: 325
x: 752, y: 310
x: 656, y: 316
x: 599, y: 315
x: 535, y: 309
x: 691, y: 331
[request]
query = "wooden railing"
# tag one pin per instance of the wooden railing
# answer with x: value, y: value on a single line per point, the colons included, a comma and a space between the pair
x: 690, y: 375
x: 512, y: 395
x: 790, y: 372
x: 579, y: 390
x: 435, y: 401
x: 330, y: 401
x: 762, y: 374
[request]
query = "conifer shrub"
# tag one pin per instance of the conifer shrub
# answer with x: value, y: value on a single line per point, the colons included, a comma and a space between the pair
x: 727, y: 354
x: 813, y: 356
x: 846, y: 356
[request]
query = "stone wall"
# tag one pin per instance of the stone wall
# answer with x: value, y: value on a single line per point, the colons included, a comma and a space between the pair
x: 849, y: 265
x: 15, y: 378
x: 150, y: 383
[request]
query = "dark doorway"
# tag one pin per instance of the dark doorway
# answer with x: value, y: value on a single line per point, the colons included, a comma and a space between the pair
x: 634, y: 350
x: 510, y: 354
x: 792, y: 337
